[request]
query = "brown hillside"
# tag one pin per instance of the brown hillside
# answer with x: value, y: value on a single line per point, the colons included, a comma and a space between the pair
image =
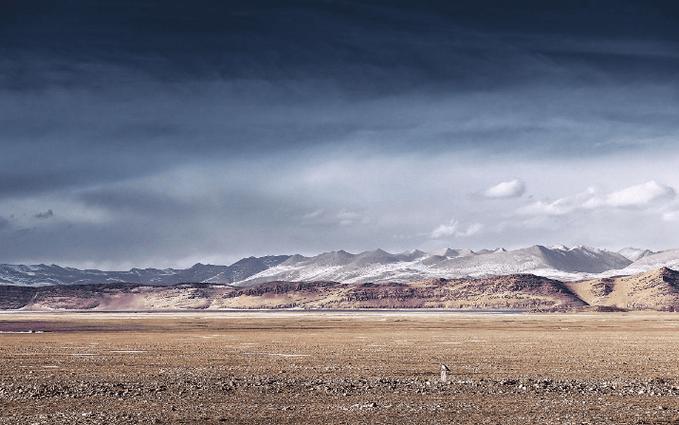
x: 655, y: 290
x: 502, y: 292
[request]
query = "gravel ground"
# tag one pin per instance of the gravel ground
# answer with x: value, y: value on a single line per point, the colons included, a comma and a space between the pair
x: 336, y: 368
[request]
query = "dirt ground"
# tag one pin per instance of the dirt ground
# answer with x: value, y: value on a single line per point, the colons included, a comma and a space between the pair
x: 339, y: 368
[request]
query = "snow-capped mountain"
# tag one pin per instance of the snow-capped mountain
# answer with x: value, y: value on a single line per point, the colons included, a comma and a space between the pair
x: 634, y: 254
x: 553, y: 262
x: 241, y: 269
x: 378, y: 265
x: 557, y: 262
x: 652, y: 261
x: 55, y: 275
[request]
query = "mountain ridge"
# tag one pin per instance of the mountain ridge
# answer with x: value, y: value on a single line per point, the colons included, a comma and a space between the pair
x: 560, y: 262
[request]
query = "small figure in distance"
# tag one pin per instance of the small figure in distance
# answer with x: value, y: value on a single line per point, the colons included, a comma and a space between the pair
x: 444, y: 373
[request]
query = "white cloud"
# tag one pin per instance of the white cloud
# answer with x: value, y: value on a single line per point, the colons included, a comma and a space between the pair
x: 640, y: 195
x: 453, y: 229
x: 562, y: 206
x: 503, y: 190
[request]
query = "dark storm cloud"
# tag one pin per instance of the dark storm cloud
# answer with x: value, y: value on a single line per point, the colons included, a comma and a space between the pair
x: 103, y: 104
x: 273, y: 39
x: 157, y: 79
x: 386, y: 46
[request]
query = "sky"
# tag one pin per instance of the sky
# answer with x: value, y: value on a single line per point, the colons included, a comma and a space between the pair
x: 165, y: 133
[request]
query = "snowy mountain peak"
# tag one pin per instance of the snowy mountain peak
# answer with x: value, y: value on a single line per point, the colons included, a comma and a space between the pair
x: 454, y: 252
x: 635, y: 254
x: 560, y: 248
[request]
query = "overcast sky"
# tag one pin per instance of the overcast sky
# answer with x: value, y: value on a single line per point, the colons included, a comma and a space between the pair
x: 163, y: 133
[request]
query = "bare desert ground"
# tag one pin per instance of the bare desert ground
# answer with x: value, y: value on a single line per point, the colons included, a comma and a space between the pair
x: 339, y: 368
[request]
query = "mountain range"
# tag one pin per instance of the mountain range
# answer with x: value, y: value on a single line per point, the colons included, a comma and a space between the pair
x: 559, y: 262
x: 654, y: 290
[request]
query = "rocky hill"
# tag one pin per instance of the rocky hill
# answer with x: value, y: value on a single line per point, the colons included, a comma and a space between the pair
x: 655, y: 290
x: 525, y: 292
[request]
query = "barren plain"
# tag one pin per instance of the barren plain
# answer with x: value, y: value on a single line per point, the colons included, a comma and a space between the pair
x: 339, y: 368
